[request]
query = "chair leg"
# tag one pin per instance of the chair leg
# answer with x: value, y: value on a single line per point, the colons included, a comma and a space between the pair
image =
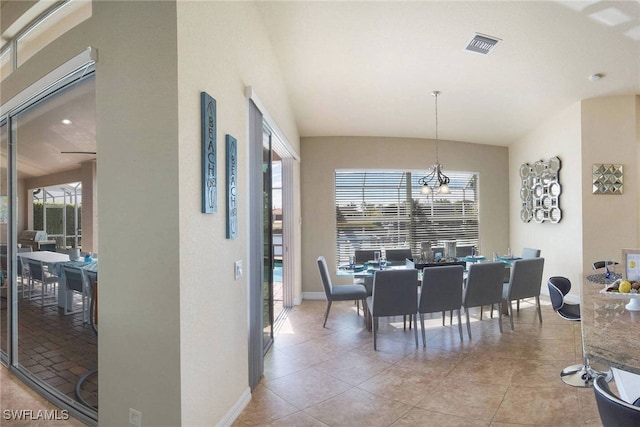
x: 460, y: 325
x: 326, y: 313
x: 466, y: 313
x: 510, y: 314
x: 481, y: 307
x: 451, y: 317
x: 539, y: 311
x: 499, y: 322
x: 443, y: 317
x: 375, y: 329
x: 492, y: 311
x: 424, y: 341
x: 415, y: 329
x: 518, y: 306
x: 358, y: 307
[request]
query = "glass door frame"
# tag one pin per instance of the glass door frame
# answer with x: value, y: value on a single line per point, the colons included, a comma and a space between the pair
x: 75, y: 69
x: 267, y: 251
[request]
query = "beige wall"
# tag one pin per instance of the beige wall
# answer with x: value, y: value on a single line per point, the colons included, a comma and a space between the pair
x: 610, y: 135
x: 594, y: 227
x: 222, y: 47
x: 561, y: 243
x: 324, y: 155
x: 173, y: 321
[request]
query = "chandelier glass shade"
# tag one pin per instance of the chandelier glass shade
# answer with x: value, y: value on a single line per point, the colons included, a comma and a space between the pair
x: 435, y: 181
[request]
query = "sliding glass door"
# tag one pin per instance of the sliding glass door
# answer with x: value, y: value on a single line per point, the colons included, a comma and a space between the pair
x: 267, y: 252
x: 49, y: 154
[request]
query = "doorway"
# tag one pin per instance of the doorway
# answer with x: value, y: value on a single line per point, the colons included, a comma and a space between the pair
x: 47, y: 340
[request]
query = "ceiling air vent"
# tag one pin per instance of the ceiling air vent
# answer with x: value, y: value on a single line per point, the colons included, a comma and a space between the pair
x: 482, y: 44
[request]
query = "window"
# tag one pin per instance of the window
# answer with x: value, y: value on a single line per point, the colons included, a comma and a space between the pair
x: 38, y: 27
x: 378, y: 209
x: 5, y: 62
x: 57, y: 21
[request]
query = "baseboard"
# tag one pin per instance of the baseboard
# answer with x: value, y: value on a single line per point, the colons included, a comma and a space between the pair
x: 236, y: 409
x: 314, y: 296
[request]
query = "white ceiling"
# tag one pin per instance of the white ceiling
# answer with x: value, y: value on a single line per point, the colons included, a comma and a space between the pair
x: 368, y: 68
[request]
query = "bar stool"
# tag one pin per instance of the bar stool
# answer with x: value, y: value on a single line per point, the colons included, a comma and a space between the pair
x: 575, y: 375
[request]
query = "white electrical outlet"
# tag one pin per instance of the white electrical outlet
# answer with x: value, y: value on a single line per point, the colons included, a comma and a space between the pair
x: 135, y: 417
x: 237, y: 269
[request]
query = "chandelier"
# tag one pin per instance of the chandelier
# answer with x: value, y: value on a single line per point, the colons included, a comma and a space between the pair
x: 435, y: 180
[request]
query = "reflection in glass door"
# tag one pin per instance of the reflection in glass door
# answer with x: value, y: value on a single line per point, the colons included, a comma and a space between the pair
x: 4, y: 216
x: 267, y: 252
x: 277, y: 235
x: 54, y: 346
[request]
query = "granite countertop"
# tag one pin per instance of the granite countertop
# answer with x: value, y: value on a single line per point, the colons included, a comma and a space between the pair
x: 609, y: 330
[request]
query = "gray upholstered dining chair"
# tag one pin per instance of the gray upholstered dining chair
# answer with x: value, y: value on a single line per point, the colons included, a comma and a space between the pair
x: 363, y: 255
x: 484, y: 287
x: 75, y: 282
x: 525, y: 282
x: 340, y: 292
x: 441, y: 290
x: 48, y: 283
x: 528, y: 253
x: 397, y: 255
x: 395, y: 293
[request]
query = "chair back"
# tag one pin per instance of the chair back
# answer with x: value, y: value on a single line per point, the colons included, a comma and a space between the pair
x: 528, y: 253
x: 35, y: 269
x: 396, y: 255
x: 363, y: 255
x: 74, y: 278
x: 324, y: 275
x: 600, y: 264
x: 614, y: 412
x: 92, y: 279
x: 441, y: 289
x: 558, y: 287
x: 484, y: 284
x: 395, y: 292
x: 526, y: 278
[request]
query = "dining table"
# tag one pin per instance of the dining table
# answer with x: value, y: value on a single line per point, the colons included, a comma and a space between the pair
x: 54, y: 261
x: 610, y: 331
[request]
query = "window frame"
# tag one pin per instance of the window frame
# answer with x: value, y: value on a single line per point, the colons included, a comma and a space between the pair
x: 405, y: 219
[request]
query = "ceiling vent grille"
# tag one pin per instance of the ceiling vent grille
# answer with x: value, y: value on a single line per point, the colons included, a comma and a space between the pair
x: 483, y: 44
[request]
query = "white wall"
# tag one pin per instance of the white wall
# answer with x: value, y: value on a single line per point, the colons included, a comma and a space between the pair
x: 326, y: 154
x: 222, y: 47
x: 593, y: 227
x: 561, y: 243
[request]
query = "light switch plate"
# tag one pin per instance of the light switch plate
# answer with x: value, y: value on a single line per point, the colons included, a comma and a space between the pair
x: 237, y: 268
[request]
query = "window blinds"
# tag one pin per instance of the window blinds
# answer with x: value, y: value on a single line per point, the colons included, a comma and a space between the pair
x: 379, y: 209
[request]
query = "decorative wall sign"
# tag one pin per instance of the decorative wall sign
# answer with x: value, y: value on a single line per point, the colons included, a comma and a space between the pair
x: 540, y: 191
x: 209, y: 172
x: 607, y: 179
x: 232, y: 187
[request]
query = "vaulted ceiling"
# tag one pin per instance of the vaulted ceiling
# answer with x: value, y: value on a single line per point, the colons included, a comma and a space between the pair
x: 368, y: 68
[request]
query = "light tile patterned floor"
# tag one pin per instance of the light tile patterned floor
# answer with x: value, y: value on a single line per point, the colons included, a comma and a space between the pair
x: 317, y: 376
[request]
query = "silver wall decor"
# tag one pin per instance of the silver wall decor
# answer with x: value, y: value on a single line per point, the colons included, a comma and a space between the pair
x: 607, y: 179
x: 540, y: 191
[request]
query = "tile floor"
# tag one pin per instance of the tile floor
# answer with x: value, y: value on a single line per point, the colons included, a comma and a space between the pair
x: 315, y: 376
x: 28, y: 405
x: 56, y: 348
x: 331, y: 376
